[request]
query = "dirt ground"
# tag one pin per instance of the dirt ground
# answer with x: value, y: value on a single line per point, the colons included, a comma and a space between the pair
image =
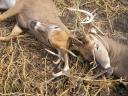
x: 26, y: 68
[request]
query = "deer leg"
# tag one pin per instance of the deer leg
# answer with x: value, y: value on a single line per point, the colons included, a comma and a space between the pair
x: 15, y: 32
x: 12, y: 11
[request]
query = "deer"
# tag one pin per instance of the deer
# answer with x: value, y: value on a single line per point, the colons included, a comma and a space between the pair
x: 41, y: 18
x: 111, y: 55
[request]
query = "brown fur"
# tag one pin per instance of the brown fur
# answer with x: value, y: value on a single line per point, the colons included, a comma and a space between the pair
x: 118, y: 57
x: 86, y: 50
x: 118, y: 54
x: 44, y: 11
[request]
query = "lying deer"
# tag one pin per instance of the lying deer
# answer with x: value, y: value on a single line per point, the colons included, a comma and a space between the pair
x: 110, y: 54
x: 49, y: 30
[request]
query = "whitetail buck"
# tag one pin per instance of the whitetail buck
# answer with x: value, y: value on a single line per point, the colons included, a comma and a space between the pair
x: 50, y: 29
x: 110, y: 54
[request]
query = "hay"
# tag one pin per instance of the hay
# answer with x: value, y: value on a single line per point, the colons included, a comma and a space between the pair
x: 26, y: 68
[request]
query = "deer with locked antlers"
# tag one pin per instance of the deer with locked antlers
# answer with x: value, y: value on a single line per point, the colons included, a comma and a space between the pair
x: 111, y: 55
x: 41, y: 18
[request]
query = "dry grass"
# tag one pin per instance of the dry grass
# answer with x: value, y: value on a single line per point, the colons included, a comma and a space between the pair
x: 26, y: 68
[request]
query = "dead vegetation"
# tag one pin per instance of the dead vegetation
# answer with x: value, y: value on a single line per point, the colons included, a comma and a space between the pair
x: 26, y: 68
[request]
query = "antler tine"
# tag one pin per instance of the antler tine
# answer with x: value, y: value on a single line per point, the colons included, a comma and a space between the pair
x: 86, y: 12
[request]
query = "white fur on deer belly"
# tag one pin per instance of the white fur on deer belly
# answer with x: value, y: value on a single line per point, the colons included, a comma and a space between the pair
x: 10, y: 3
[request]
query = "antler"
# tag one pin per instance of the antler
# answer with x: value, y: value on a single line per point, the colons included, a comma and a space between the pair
x: 89, y: 18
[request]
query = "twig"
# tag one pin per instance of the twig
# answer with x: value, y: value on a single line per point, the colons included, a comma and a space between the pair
x: 15, y: 94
